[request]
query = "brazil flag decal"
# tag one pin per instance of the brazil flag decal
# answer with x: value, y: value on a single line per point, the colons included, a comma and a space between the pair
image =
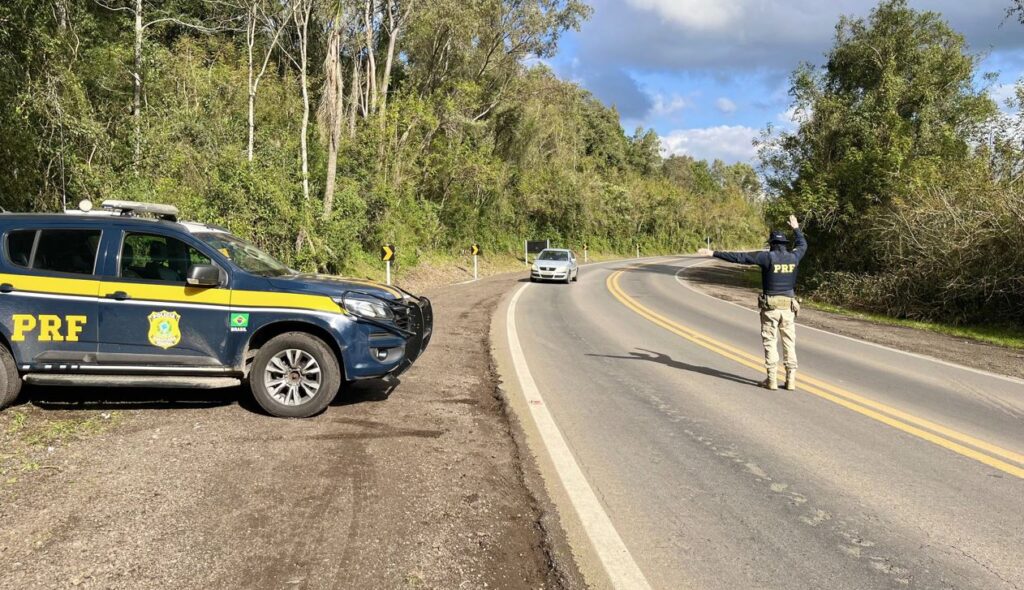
x: 239, y: 322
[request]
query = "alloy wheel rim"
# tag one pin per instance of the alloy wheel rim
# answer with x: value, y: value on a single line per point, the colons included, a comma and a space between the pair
x: 292, y: 377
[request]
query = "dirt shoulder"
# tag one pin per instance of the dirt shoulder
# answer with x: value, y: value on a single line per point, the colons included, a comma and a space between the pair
x: 416, y: 487
x: 727, y: 282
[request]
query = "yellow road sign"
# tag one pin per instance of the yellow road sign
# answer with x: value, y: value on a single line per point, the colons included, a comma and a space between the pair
x: 476, y: 249
x: 387, y: 252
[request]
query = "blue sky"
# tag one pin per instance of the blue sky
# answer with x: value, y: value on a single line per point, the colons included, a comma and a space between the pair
x: 709, y: 75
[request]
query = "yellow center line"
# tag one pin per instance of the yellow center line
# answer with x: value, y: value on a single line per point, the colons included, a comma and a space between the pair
x: 886, y: 414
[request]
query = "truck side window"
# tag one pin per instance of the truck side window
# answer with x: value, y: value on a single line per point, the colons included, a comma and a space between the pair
x: 59, y: 250
x: 19, y: 246
x: 158, y: 258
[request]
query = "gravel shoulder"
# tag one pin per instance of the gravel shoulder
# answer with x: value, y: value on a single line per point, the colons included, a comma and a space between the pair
x: 726, y: 281
x: 414, y: 485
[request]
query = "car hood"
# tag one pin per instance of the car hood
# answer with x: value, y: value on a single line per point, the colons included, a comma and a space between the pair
x: 334, y: 286
x: 553, y: 263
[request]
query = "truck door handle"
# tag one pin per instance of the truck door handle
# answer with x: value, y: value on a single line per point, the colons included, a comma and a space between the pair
x: 118, y: 295
x: 6, y: 288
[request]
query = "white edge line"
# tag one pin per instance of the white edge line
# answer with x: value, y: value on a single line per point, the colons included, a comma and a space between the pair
x: 618, y: 564
x: 922, y: 357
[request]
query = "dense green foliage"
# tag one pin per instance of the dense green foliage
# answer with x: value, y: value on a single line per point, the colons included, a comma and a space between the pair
x: 910, y: 178
x: 465, y: 139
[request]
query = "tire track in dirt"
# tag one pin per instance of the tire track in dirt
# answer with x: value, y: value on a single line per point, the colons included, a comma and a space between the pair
x: 414, y: 486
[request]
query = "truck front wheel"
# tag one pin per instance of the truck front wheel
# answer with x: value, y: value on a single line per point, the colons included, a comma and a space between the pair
x: 294, y: 375
x: 10, y: 381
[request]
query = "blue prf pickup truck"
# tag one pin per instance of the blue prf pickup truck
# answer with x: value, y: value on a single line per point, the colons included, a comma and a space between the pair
x: 129, y: 296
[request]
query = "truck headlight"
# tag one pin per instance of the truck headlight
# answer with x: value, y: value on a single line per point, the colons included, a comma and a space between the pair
x: 364, y: 308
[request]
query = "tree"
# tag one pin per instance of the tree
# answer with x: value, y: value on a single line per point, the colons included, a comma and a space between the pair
x: 258, y: 17
x: 137, y: 10
x: 332, y: 108
x: 895, y: 107
x: 1016, y: 10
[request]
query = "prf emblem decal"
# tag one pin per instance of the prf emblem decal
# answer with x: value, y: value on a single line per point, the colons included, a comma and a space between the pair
x: 163, y: 329
x: 239, y: 322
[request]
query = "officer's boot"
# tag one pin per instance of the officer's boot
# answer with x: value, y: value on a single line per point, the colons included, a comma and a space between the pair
x: 772, y: 382
x: 790, y: 379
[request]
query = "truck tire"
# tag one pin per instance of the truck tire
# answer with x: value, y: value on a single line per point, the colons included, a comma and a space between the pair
x: 10, y: 381
x: 294, y: 375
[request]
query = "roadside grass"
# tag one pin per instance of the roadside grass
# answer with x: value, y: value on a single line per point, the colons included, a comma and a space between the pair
x: 1006, y: 336
x: 28, y: 437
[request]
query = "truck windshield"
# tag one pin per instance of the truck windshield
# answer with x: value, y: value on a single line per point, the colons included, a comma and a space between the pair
x: 248, y: 257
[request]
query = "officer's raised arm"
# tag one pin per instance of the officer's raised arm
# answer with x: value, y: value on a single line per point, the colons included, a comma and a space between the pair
x: 734, y: 257
x: 800, y: 245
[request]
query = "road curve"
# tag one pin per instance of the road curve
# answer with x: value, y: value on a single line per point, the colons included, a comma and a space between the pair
x: 884, y: 470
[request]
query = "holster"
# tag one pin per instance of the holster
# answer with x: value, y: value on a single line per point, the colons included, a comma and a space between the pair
x: 795, y: 306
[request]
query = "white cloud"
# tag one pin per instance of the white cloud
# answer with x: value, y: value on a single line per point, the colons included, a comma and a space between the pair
x: 730, y: 143
x: 1002, y: 93
x: 728, y: 36
x: 699, y: 15
x: 725, y: 106
x: 664, y: 106
x: 792, y: 118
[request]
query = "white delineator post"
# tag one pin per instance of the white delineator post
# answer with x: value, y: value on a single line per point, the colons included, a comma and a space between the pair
x: 475, y: 267
x: 387, y: 274
x: 638, y: 250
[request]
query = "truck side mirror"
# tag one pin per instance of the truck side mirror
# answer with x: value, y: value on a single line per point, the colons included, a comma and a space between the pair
x: 203, y: 275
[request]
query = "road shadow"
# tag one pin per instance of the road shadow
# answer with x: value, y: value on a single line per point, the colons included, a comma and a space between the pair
x: 127, y: 398
x: 733, y: 276
x: 642, y: 354
x: 366, y: 391
x: 131, y: 398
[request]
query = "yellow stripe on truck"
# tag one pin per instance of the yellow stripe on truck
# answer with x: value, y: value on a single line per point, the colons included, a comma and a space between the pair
x: 171, y: 293
x: 57, y: 286
x: 288, y: 300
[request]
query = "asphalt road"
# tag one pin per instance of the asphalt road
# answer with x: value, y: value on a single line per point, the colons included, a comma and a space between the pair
x: 884, y: 470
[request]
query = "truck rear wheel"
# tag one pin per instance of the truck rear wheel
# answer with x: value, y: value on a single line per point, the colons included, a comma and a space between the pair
x: 10, y: 381
x: 294, y: 375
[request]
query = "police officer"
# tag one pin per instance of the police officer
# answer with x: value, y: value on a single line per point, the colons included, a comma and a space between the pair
x: 777, y: 302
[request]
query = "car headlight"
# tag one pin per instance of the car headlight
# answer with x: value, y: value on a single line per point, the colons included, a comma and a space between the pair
x: 364, y: 308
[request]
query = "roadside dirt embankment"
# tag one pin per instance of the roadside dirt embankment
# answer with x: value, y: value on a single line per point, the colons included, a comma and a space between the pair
x: 416, y: 486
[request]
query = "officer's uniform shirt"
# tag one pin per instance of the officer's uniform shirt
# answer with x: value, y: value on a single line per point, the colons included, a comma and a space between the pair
x: 778, y: 265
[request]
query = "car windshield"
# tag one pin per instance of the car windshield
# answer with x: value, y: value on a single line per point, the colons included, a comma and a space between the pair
x: 248, y: 257
x: 553, y: 255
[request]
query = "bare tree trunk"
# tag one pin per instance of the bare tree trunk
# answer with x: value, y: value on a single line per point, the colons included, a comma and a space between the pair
x: 250, y: 41
x: 371, y: 64
x: 301, y: 17
x: 302, y: 24
x: 137, y: 89
x: 334, y: 91
x: 353, y: 97
x: 255, y: 12
x: 396, y: 19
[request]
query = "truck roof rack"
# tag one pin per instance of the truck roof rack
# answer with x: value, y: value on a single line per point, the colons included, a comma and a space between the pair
x: 134, y: 208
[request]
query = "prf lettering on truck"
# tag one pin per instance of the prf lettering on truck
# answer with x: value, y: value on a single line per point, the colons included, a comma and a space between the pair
x: 50, y: 327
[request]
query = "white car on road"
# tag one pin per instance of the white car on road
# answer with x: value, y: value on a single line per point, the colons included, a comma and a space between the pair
x: 555, y: 264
